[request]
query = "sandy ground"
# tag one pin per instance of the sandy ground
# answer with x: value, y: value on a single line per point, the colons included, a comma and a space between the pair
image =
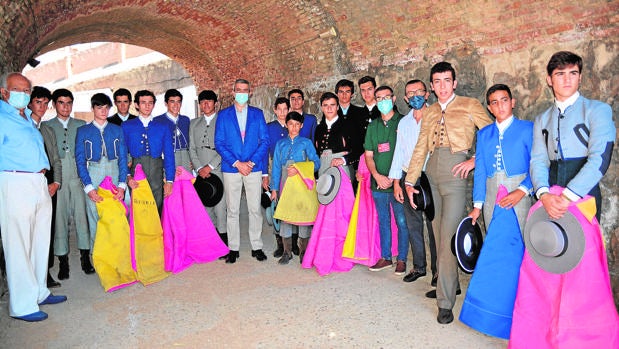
x: 249, y: 304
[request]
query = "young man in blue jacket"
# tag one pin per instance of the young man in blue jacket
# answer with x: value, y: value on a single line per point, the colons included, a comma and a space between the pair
x: 179, y: 127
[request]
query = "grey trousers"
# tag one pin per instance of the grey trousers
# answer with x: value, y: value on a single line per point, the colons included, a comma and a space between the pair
x: 153, y: 168
x: 218, y: 212
x: 71, y: 203
x: 181, y: 158
x: 98, y: 171
x: 449, y: 194
x: 511, y: 183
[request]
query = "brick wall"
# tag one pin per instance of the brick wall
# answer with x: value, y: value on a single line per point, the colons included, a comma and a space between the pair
x: 276, y: 45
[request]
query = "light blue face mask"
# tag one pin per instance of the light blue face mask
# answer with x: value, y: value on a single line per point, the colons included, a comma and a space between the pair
x: 241, y: 98
x: 19, y: 100
x: 385, y: 106
x: 416, y: 102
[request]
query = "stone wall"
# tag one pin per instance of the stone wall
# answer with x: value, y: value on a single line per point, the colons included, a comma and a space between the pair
x: 281, y: 44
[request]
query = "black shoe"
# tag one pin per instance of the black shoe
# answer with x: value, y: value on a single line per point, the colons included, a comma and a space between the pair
x: 232, y: 256
x: 445, y: 316
x: 434, y: 280
x: 295, y: 244
x: 260, y: 256
x: 51, y: 283
x: 224, y: 239
x: 85, y: 259
x: 413, y: 275
x: 279, y: 251
x: 63, y: 267
x: 286, y: 257
x: 432, y: 294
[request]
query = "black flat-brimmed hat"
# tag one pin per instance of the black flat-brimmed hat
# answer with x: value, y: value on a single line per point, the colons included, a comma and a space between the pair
x: 423, y: 200
x: 555, y: 245
x: 466, y: 244
x: 265, y: 199
x: 210, y: 189
x: 328, y: 184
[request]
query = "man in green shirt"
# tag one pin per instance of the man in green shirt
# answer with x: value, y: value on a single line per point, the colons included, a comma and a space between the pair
x: 379, y: 147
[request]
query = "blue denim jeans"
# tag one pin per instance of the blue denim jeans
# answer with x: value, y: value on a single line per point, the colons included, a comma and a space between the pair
x: 383, y: 202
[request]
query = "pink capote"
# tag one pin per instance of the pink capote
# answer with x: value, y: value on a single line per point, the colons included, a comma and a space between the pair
x: 324, y: 249
x: 571, y: 310
x: 189, y: 236
x: 364, y: 238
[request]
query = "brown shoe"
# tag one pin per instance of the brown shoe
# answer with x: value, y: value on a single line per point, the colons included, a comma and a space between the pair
x: 381, y: 264
x: 400, y: 268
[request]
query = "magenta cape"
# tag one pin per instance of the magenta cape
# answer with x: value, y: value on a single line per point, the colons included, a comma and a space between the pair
x: 189, y: 236
x: 489, y: 301
x: 571, y: 310
x: 362, y: 244
x: 324, y: 249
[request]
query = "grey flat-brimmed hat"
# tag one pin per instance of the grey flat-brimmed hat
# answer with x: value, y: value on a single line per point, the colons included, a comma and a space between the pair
x: 555, y: 245
x: 328, y: 184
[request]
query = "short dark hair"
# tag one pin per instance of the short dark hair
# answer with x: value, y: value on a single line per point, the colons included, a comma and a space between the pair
x: 61, y: 92
x: 382, y: 88
x: 442, y: 67
x: 296, y: 90
x: 40, y: 92
x: 345, y: 83
x: 100, y: 99
x: 329, y: 95
x: 293, y: 115
x: 207, y: 95
x: 143, y: 93
x: 497, y: 87
x: 172, y: 93
x: 366, y: 79
x: 281, y: 100
x: 122, y: 92
x: 241, y: 81
x: 562, y: 59
x: 415, y: 81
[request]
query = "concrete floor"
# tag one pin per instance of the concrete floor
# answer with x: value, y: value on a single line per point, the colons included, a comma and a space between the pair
x: 249, y: 304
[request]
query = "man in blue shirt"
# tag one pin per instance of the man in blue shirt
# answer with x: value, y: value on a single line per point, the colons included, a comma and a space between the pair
x: 179, y: 127
x: 150, y: 144
x: 297, y: 101
x: 25, y: 203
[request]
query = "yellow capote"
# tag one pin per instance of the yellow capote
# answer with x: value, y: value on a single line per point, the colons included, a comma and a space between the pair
x: 298, y: 203
x: 112, y: 250
x: 351, y: 237
x: 148, y: 235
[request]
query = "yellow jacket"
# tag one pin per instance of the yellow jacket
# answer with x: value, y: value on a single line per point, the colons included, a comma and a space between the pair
x: 462, y: 116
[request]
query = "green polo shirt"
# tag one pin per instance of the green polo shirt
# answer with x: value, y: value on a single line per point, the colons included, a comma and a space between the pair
x: 380, y: 139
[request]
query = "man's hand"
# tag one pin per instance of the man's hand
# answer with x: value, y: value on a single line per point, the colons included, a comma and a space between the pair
x: 383, y: 182
x: 132, y: 183
x: 205, y: 172
x: 167, y: 189
x: 53, y: 188
x: 462, y: 169
x: 475, y: 214
x: 335, y: 162
x: 555, y: 205
x: 120, y: 195
x: 265, y: 182
x: 511, y: 199
x: 410, y: 191
x: 273, y: 195
x: 397, y: 192
x: 244, y: 168
x: 292, y: 171
x: 94, y: 196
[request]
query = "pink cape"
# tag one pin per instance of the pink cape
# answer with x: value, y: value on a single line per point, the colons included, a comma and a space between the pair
x: 324, y: 249
x: 571, y: 310
x: 189, y: 236
x: 366, y: 234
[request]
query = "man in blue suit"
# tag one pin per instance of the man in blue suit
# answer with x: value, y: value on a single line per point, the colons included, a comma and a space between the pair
x: 242, y: 140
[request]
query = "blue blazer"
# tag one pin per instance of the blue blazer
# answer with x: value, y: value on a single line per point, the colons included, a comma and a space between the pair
x: 179, y: 141
x: 88, y: 147
x: 230, y: 145
x: 515, y: 146
x: 309, y: 126
x: 159, y: 141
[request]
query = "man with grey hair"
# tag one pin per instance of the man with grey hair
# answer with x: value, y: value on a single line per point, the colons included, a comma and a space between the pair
x: 25, y: 203
x: 242, y: 140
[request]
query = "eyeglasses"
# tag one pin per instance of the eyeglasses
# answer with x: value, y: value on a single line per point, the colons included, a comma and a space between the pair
x: 384, y: 98
x: 415, y: 93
